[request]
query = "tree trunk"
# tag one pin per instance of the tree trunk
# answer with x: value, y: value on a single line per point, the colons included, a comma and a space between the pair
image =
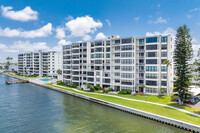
x: 180, y: 102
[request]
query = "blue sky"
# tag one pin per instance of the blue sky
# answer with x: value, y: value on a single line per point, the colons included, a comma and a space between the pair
x: 40, y: 24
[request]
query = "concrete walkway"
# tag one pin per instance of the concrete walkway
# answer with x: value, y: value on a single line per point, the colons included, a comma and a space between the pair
x: 182, y: 110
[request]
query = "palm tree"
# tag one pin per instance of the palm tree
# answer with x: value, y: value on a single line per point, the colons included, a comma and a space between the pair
x: 168, y: 63
x: 59, y: 72
x: 8, y: 63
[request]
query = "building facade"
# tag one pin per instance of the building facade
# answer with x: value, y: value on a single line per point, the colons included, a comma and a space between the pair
x: 121, y: 63
x: 41, y: 63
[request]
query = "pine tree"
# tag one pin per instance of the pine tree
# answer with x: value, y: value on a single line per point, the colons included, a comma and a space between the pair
x: 182, y: 54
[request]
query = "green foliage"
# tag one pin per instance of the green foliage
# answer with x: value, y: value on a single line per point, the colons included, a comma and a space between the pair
x: 182, y: 54
x: 105, y: 90
x: 124, y: 92
x: 61, y: 83
x: 73, y: 86
x: 59, y: 72
x: 92, y: 89
x: 97, y: 88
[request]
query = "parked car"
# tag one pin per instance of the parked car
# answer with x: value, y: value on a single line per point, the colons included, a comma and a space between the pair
x: 191, y: 99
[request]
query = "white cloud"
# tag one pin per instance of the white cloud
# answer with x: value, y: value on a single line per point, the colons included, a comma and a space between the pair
x: 194, y: 40
x: 137, y: 18
x: 82, y: 26
x: 195, y: 9
x: 23, y: 46
x: 160, y: 20
x: 42, y: 32
x: 189, y: 16
x: 60, y: 44
x: 195, y: 51
x: 108, y: 22
x: 63, y: 42
x: 87, y: 37
x: 168, y: 31
x: 60, y: 33
x: 69, y: 17
x: 23, y: 15
x: 100, y: 36
x: 3, y: 46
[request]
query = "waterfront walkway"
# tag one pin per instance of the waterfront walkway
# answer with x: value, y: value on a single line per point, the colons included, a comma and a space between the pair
x: 182, y: 110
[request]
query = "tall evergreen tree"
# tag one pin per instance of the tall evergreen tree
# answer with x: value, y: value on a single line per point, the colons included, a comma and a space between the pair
x: 182, y: 54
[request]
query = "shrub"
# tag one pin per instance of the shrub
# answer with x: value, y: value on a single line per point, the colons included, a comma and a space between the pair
x: 92, y: 89
x: 124, y: 92
x: 61, y: 83
x: 105, y: 90
x: 97, y: 88
x: 73, y: 86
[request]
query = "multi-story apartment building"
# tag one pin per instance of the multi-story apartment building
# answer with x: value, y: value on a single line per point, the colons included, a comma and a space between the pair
x: 121, y: 63
x: 41, y: 63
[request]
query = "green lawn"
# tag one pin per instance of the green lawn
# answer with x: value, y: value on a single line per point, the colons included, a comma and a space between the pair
x: 160, y: 110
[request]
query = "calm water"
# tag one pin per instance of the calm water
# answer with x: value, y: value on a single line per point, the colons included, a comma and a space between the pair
x: 26, y: 108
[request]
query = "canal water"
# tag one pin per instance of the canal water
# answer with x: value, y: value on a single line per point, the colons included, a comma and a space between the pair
x: 27, y: 108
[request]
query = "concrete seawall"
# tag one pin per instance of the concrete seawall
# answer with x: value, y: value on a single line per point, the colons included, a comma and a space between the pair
x: 159, y: 118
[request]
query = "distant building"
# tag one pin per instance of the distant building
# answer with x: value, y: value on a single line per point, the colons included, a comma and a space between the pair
x: 121, y: 63
x: 41, y: 63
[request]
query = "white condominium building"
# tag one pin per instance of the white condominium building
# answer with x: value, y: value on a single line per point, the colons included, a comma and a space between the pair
x: 121, y: 63
x: 41, y: 63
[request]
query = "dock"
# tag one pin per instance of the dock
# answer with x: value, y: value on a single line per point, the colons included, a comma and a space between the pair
x: 17, y: 81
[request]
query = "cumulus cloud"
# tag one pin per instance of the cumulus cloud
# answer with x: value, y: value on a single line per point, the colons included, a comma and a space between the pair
x: 137, y: 19
x: 87, y: 37
x: 23, y: 46
x: 108, y: 22
x: 160, y: 20
x: 23, y: 15
x: 60, y: 44
x: 195, y: 9
x: 42, y: 32
x: 82, y: 26
x: 168, y: 31
x: 100, y: 36
x: 60, y: 33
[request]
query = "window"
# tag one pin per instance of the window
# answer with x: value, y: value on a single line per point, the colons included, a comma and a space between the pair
x: 108, y: 43
x: 151, y: 61
x: 98, y: 49
x: 141, y: 41
x: 151, y: 47
x: 98, y: 43
x: 164, y: 46
x: 124, y: 41
x: 151, y: 75
x: 117, y: 80
x: 163, y: 54
x: 117, y: 61
x: 126, y: 61
x: 117, y: 74
x: 150, y: 90
x: 126, y: 75
x: 162, y: 60
x: 151, y: 54
x: 117, y: 41
x: 163, y: 76
x: 126, y: 68
x: 117, y: 67
x: 128, y: 47
x: 126, y: 54
x: 108, y: 49
x: 151, y: 83
x: 163, y: 83
x: 97, y: 73
x: 107, y: 55
x: 90, y: 79
x: 98, y: 61
x: 117, y: 48
x: 151, y: 40
x: 151, y: 68
x: 106, y: 80
x: 164, y: 68
x: 117, y: 54
x: 164, y: 39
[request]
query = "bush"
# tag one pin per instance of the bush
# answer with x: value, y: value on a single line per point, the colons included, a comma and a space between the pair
x: 105, y: 90
x: 61, y: 83
x: 73, y: 86
x: 92, y: 89
x: 124, y: 92
x: 97, y: 88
